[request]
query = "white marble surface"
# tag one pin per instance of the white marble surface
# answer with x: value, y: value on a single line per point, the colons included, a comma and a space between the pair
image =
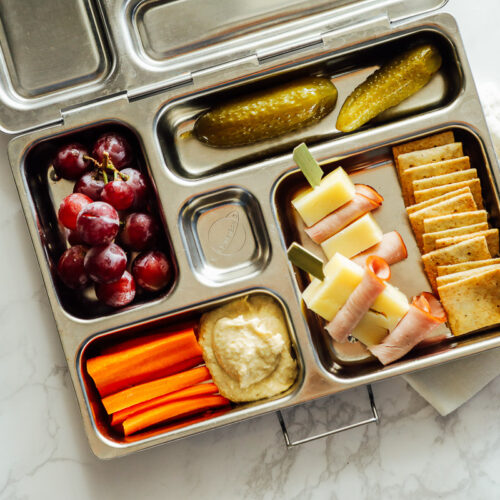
x: 414, y: 453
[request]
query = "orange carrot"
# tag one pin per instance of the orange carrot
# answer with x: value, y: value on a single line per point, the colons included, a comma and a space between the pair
x: 195, y: 390
x: 179, y: 424
x: 171, y: 410
x: 139, y: 363
x: 143, y: 339
x: 149, y: 390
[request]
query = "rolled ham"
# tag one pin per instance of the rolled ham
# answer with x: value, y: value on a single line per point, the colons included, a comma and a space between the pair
x: 369, y: 192
x: 376, y: 274
x: 392, y: 249
x: 365, y: 200
x: 425, y: 314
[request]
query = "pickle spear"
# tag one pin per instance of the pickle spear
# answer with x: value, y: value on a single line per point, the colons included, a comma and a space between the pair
x: 388, y: 86
x: 267, y: 114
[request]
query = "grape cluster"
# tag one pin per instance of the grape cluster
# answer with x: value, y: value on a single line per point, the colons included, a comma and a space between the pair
x: 107, y: 221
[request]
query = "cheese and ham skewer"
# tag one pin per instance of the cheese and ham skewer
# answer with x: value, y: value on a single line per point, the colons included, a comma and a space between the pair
x: 375, y: 277
x: 392, y: 249
x: 365, y: 200
x: 425, y: 314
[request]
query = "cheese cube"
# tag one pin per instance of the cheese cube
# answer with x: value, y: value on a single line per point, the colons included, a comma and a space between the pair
x: 334, y: 190
x: 372, y: 328
x: 342, y: 276
x: 356, y: 237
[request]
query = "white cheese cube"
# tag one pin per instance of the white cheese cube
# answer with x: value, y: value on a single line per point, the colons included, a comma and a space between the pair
x: 342, y: 276
x: 334, y: 190
x: 356, y: 237
x: 372, y: 328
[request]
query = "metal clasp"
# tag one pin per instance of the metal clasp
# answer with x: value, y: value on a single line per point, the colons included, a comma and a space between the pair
x: 374, y: 419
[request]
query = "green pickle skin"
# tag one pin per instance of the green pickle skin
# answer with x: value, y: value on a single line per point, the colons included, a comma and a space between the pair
x: 267, y: 114
x: 388, y: 86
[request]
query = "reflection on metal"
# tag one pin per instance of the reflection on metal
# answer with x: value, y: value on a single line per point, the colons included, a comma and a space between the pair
x: 223, y: 208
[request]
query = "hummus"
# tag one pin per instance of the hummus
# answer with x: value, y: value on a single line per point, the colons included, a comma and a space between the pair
x: 246, y: 347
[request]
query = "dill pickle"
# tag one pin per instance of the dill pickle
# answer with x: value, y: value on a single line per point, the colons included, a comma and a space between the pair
x: 388, y: 86
x: 267, y: 114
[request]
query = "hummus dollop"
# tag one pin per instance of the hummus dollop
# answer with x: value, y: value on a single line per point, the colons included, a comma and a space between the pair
x: 246, y: 347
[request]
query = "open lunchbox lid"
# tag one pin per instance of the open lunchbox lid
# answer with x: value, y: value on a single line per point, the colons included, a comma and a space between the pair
x: 57, y: 56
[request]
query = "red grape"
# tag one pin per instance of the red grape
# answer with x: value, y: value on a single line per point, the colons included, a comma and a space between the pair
x: 97, y: 223
x: 105, y: 263
x: 118, y: 194
x: 117, y: 294
x: 90, y: 184
x: 152, y: 270
x: 70, y: 207
x: 139, y: 185
x: 119, y: 150
x: 73, y: 238
x: 71, y: 267
x: 69, y: 160
x: 139, y: 232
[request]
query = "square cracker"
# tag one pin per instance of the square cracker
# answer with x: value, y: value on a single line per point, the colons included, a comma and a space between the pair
x: 428, y: 194
x: 431, y: 155
x: 433, y: 201
x: 465, y: 251
x: 409, y: 175
x: 491, y: 236
x: 461, y: 203
x: 465, y: 266
x: 429, y: 239
x: 442, y: 222
x: 424, y: 143
x: 472, y: 303
x: 451, y: 278
x: 444, y: 179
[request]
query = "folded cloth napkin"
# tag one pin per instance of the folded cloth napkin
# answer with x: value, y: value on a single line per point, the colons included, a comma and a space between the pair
x: 449, y: 386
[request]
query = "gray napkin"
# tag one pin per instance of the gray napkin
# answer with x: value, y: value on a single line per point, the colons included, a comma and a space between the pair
x: 449, y: 386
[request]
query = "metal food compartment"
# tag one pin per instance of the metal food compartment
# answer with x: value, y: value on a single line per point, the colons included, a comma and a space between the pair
x: 156, y: 89
x: 95, y: 408
x: 224, y: 235
x: 187, y: 156
x: 46, y: 191
x: 375, y: 168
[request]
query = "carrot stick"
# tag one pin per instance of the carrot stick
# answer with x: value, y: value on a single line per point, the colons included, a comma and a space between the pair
x: 183, y: 422
x: 137, y: 364
x: 195, y: 390
x: 170, y: 410
x: 143, y: 339
x: 149, y: 390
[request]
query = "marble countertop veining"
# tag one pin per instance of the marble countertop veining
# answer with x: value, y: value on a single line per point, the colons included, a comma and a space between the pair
x: 413, y: 453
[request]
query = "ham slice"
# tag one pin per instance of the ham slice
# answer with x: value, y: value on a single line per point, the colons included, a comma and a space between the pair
x: 369, y: 192
x: 376, y: 274
x: 425, y: 314
x: 363, y: 202
x: 392, y: 249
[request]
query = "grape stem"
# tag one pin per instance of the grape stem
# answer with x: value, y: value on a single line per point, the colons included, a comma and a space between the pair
x: 107, y: 164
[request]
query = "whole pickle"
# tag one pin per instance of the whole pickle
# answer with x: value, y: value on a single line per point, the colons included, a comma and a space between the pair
x: 388, y: 86
x: 267, y: 114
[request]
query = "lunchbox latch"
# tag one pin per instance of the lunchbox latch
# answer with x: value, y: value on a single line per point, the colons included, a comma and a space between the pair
x: 70, y: 111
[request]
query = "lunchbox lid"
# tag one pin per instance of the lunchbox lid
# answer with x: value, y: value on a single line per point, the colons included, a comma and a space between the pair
x: 58, y: 56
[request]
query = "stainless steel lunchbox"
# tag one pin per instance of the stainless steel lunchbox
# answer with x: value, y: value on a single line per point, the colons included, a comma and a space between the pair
x: 150, y: 67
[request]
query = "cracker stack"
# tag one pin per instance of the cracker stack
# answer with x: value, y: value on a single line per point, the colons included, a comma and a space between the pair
x: 443, y: 198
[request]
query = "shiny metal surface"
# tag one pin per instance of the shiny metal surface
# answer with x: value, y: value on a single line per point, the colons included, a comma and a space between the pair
x: 225, y: 235
x: 64, y: 54
x: 189, y: 157
x: 324, y: 372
